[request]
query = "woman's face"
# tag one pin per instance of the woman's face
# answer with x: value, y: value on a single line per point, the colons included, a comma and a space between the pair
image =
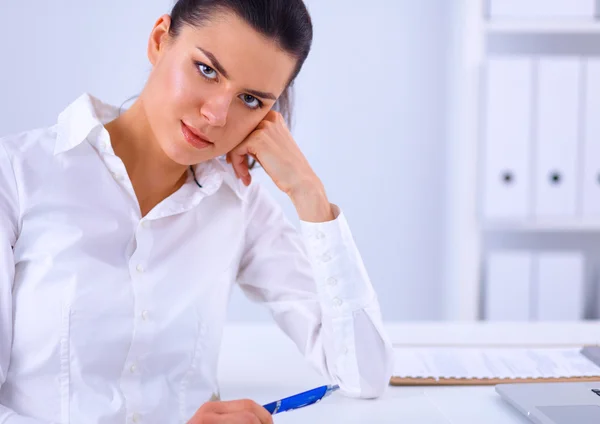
x: 217, y: 82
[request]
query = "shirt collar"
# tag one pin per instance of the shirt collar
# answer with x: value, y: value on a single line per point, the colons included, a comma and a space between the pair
x: 79, y: 119
x: 88, y: 114
x: 213, y: 173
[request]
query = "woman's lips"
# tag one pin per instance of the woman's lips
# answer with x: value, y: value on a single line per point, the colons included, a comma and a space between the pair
x: 193, y: 139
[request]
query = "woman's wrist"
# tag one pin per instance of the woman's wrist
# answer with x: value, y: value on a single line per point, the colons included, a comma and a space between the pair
x: 311, y: 202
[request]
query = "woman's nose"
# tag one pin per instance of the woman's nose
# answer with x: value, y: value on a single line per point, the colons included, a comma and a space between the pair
x: 215, y: 110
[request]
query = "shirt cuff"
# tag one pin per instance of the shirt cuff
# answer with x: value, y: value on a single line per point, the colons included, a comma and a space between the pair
x: 343, y: 284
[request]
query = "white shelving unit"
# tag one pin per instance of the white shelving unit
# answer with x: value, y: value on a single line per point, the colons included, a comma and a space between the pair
x: 546, y: 27
x: 467, y: 232
x: 542, y: 225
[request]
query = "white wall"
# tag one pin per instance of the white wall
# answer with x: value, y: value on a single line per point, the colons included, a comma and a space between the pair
x: 370, y: 115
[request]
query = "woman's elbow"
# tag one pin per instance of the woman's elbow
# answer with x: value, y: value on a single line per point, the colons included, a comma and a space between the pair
x: 375, y: 386
x: 375, y: 381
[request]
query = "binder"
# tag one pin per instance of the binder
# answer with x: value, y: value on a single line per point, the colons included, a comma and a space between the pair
x: 508, y: 286
x: 507, y: 133
x: 560, y: 287
x: 557, y: 131
x: 542, y: 9
x: 591, y: 140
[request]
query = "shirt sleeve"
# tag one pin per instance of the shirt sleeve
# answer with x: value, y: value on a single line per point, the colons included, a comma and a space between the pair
x: 9, y: 207
x: 319, y: 293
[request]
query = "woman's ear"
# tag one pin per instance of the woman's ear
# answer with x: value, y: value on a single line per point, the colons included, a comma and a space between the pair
x: 158, y: 38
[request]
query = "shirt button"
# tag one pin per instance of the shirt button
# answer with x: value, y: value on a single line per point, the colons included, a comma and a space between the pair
x: 332, y: 281
x: 133, y: 368
x: 320, y: 235
x: 140, y: 268
x: 135, y: 418
x: 337, y: 301
x: 145, y: 315
x: 325, y: 258
x: 346, y: 350
x: 117, y: 176
x: 146, y: 224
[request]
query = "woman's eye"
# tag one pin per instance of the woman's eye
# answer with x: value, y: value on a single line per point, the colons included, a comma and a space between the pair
x: 207, y: 71
x: 251, y: 101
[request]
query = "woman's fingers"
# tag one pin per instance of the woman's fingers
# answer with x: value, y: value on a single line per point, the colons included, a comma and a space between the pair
x: 232, y: 412
x: 236, y: 418
x: 239, y: 160
x: 245, y: 405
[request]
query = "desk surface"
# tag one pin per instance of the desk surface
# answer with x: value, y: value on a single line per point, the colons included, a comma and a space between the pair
x: 260, y: 363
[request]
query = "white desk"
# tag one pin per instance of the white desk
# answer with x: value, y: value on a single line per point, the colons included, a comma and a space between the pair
x: 258, y: 362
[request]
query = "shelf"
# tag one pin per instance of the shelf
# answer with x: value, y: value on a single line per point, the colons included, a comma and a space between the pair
x: 543, y: 27
x: 550, y: 225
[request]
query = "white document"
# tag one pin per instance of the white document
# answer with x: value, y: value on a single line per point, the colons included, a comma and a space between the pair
x: 557, y: 133
x: 560, y: 287
x: 507, y: 138
x: 508, y: 286
x: 542, y: 9
x: 471, y: 362
x: 591, y: 141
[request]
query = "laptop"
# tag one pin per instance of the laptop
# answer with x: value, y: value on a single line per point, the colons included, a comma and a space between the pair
x: 555, y: 403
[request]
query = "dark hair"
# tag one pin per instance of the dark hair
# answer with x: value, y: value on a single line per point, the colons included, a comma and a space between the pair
x: 287, y: 22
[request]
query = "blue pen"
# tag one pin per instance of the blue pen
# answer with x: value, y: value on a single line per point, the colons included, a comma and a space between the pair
x: 300, y: 400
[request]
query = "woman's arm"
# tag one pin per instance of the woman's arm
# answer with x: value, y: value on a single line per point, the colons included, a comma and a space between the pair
x: 9, y: 207
x: 315, y: 285
x: 319, y: 293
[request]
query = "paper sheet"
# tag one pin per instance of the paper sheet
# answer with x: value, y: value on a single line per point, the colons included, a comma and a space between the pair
x: 480, y: 363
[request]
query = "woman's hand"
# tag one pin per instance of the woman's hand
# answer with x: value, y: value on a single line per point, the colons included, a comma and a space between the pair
x: 273, y: 146
x: 233, y: 412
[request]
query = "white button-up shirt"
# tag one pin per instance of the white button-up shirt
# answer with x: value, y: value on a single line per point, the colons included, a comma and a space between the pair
x: 110, y: 317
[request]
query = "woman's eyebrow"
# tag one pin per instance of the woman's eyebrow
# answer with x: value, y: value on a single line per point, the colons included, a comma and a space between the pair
x: 214, y: 62
x: 261, y: 94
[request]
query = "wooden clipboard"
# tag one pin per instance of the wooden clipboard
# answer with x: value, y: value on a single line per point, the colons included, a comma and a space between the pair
x: 398, y: 381
x: 590, y: 352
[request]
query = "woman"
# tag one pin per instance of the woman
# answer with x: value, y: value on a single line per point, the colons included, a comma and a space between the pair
x: 121, y: 235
